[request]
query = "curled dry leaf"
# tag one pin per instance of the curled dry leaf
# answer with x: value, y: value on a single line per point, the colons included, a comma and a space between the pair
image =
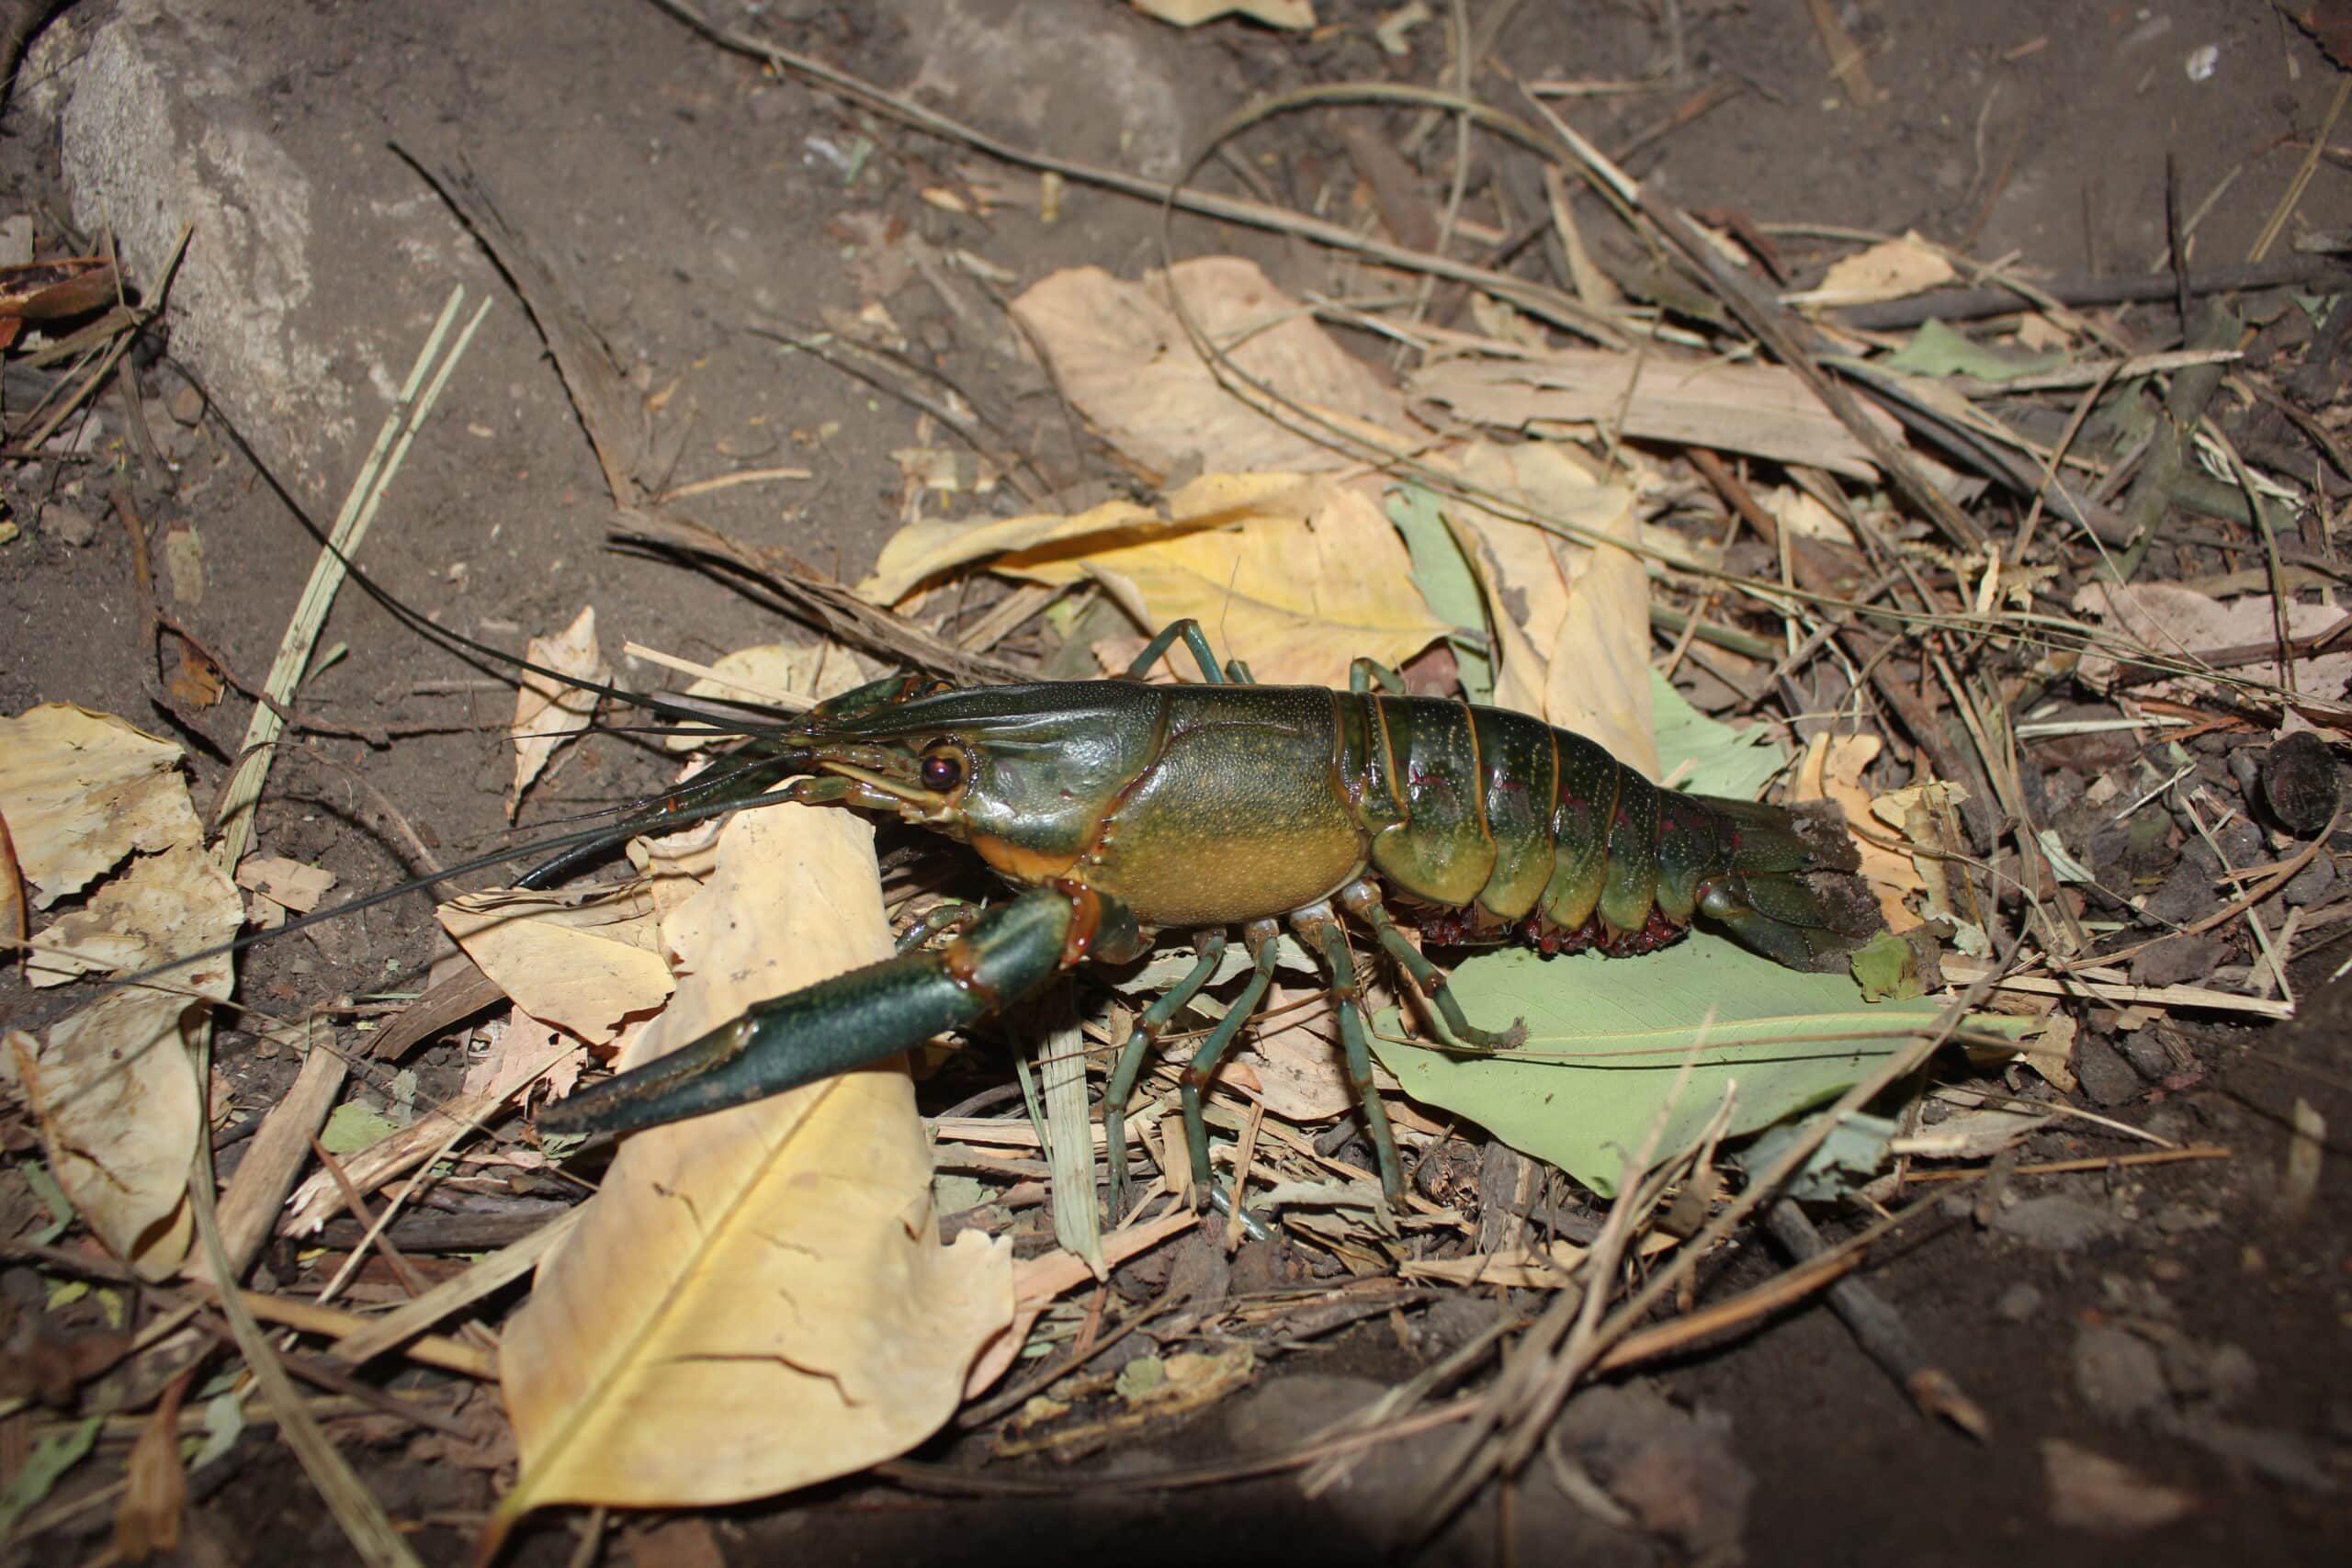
x: 112, y: 1088
x: 1832, y: 769
x: 925, y: 550
x: 548, y: 711
x: 1762, y: 410
x: 586, y: 963
x: 1120, y: 354
x: 1572, y: 620
x: 757, y: 1300
x: 2172, y: 623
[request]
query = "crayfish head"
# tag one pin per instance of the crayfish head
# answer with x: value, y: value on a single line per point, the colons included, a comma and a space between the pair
x: 1026, y: 774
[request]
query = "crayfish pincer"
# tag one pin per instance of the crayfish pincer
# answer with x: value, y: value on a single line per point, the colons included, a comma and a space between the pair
x: 1124, y: 808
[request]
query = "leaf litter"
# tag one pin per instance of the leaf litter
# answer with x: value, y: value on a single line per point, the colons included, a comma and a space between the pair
x: 1515, y: 504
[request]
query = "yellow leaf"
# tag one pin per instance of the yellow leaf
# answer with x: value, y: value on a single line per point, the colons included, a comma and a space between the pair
x: 1298, y: 595
x: 1120, y: 354
x: 586, y: 963
x: 549, y: 712
x: 757, y: 1300
x: 922, y: 551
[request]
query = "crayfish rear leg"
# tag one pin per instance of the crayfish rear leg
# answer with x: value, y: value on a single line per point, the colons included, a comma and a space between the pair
x: 1325, y: 934
x: 1362, y: 899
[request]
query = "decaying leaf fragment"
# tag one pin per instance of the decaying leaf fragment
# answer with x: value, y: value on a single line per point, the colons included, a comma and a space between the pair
x: 548, y: 711
x: 757, y: 1300
x: 81, y: 790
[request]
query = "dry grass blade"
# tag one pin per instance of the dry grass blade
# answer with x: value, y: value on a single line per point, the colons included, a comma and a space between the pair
x: 356, y: 1510
x: 243, y: 793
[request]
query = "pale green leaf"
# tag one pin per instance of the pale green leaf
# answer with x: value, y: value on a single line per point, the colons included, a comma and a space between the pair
x: 1443, y: 575
x: 1606, y: 1038
x: 42, y: 1468
x: 354, y: 1127
x: 1848, y: 1159
x: 1722, y: 760
x: 1937, y: 350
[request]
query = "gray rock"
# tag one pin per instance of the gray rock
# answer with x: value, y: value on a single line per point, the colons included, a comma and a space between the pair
x: 2188, y: 890
x: 2105, y: 1077
x: 162, y: 122
x: 2056, y: 1223
x: 2181, y: 960
x: 2116, y: 1373
x: 2312, y: 884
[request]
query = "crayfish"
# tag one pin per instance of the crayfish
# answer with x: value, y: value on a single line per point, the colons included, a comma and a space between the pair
x: 1123, y: 808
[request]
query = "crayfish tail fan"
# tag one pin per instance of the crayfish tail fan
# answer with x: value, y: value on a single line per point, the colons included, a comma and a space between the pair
x: 1792, y: 891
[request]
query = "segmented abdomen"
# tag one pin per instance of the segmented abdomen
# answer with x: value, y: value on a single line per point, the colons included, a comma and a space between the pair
x: 1510, y: 828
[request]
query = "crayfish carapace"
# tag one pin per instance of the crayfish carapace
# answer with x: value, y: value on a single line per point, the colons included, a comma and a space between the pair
x: 1125, y: 808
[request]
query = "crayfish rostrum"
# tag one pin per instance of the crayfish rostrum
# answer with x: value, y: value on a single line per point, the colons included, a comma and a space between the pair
x: 1124, y: 808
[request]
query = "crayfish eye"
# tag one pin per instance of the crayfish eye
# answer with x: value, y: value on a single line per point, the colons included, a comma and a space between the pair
x: 942, y: 771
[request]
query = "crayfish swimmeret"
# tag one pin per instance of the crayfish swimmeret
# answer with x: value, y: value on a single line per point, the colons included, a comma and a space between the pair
x: 1125, y: 808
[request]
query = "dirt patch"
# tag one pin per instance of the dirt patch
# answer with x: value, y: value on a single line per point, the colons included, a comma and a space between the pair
x: 805, y: 301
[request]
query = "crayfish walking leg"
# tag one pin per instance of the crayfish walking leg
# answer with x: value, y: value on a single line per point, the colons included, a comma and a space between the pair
x: 1140, y: 1040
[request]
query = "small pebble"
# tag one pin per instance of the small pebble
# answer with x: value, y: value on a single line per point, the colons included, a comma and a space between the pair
x: 2019, y: 1303
x: 2118, y: 1374
x: 2056, y: 1223
x: 186, y: 404
x: 69, y: 525
x: 2105, y: 1077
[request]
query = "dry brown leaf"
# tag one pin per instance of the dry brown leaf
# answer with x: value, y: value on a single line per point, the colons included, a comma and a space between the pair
x: 757, y: 1300
x: 289, y: 883
x: 1120, y: 354
x: 549, y: 712
x: 1757, y: 408
x: 1573, y: 619
x: 2172, y: 623
x: 1832, y: 769
x: 81, y: 790
x: 1521, y: 1268
x: 518, y: 1042
x: 1891, y: 269
x: 585, y: 962
x: 1927, y: 815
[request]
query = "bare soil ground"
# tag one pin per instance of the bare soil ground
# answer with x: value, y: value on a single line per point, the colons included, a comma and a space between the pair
x: 702, y: 208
